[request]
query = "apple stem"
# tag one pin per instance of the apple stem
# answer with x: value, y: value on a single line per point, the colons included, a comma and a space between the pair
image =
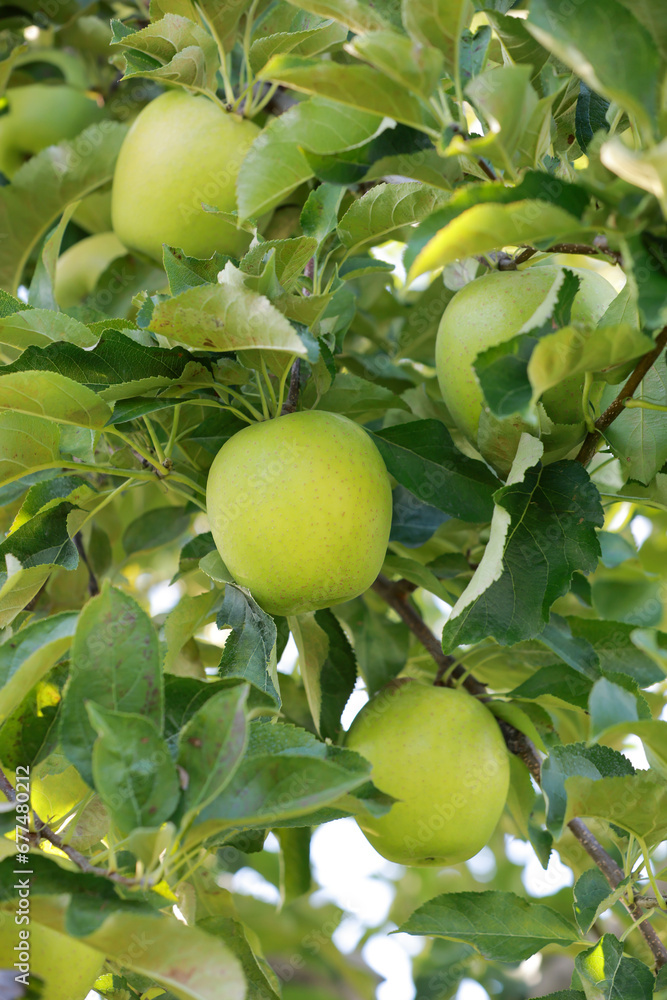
x: 292, y: 401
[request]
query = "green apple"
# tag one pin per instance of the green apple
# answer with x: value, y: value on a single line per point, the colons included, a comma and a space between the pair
x: 68, y: 967
x: 181, y: 151
x: 79, y: 268
x: 440, y: 752
x: 489, y: 311
x: 39, y: 115
x: 300, y: 510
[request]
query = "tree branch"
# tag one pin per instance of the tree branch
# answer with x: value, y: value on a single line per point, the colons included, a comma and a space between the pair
x: 292, y: 401
x: 592, y: 440
x: 517, y: 742
x: 600, y: 246
x: 93, y: 585
x: 45, y: 832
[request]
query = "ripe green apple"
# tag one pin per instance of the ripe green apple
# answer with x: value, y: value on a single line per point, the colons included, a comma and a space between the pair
x: 40, y: 115
x: 440, y: 752
x: 80, y: 267
x: 300, y: 510
x: 68, y: 967
x: 489, y: 311
x: 181, y: 151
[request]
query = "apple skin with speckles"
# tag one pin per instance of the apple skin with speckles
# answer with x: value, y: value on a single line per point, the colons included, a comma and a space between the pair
x: 491, y: 310
x: 300, y: 510
x: 180, y: 151
x: 67, y: 966
x: 440, y: 752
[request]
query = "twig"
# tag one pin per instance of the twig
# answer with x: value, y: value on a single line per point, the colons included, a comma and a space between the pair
x: 292, y: 401
x: 600, y: 246
x: 590, y: 445
x: 517, y: 743
x: 45, y: 832
x: 93, y: 585
x: 396, y: 598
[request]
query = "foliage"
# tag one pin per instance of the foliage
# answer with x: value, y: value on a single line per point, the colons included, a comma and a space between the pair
x: 405, y: 150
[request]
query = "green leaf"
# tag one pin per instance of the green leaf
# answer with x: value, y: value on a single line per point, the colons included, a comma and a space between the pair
x: 590, y: 115
x: 604, y: 44
x: 289, y: 257
x: 53, y: 397
x: 249, y: 652
x: 359, y: 87
x: 189, y: 615
x: 308, y: 42
x: 543, y: 530
x: 593, y: 895
x: 211, y: 746
x: 295, y: 872
x: 517, y: 41
x: 44, y: 540
x: 638, y: 437
x: 319, y: 215
x: 607, y: 975
x: 381, y: 646
x: 132, y: 769
x: 439, y: 23
x: 576, y: 651
x: 357, y: 398
x: 499, y: 925
x: 612, y: 702
x: 328, y: 668
x: 422, y: 457
x: 44, y: 186
x: 185, y: 272
x: 652, y: 733
x: 29, y: 655
x: 534, y: 187
x: 260, y: 977
x: 384, y: 208
x: 555, y: 682
x: 486, y: 227
x: 593, y: 763
x: 155, y: 528
x: 185, y: 53
x: 319, y: 126
x: 225, y: 317
x: 25, y: 443
x: 616, y: 650
x: 40, y: 327
x: 115, y: 664
x: 358, y: 15
x: 416, y: 67
x: 285, y: 773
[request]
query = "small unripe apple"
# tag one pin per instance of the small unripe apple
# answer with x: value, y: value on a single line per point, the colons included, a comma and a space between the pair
x: 492, y: 310
x: 181, y: 151
x: 80, y: 267
x: 440, y: 752
x: 40, y: 115
x: 68, y: 967
x: 300, y: 510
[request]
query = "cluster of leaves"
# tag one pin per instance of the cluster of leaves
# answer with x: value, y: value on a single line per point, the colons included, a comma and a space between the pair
x: 459, y: 130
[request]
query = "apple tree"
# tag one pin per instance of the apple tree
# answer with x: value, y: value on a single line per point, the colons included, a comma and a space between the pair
x: 332, y: 337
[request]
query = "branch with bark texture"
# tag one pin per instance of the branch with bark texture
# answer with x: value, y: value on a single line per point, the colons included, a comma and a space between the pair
x: 44, y: 832
x: 592, y: 440
x: 397, y: 596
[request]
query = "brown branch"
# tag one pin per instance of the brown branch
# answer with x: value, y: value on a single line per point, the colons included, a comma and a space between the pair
x: 45, y: 832
x: 592, y: 440
x: 517, y: 743
x: 292, y: 401
x: 600, y: 246
x: 93, y: 585
x: 396, y: 598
